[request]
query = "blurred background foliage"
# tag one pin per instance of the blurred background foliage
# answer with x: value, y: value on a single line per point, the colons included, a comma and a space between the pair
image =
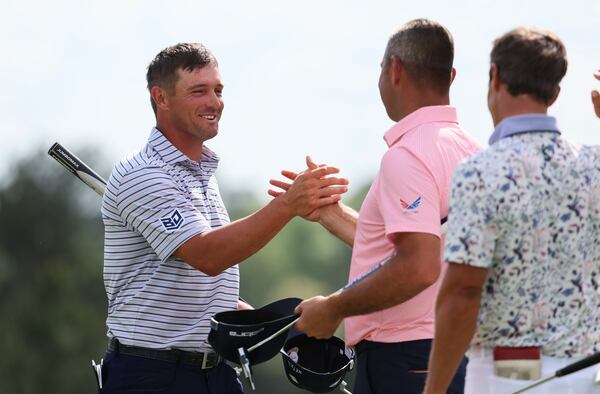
x: 52, y: 298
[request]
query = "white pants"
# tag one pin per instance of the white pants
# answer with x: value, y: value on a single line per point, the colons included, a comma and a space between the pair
x: 481, y: 379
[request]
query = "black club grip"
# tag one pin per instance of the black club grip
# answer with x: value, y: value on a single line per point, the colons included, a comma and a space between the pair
x: 579, y: 365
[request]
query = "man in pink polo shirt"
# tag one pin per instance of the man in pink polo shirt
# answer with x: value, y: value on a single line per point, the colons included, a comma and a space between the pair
x: 389, y: 313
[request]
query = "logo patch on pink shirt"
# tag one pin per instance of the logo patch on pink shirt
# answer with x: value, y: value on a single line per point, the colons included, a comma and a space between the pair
x: 412, y: 206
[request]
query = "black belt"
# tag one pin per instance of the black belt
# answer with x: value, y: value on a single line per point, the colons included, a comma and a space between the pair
x: 365, y: 345
x: 203, y: 360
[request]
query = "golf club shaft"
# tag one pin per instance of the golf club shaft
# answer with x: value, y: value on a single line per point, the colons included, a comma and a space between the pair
x: 281, y: 330
x: 377, y: 267
x: 569, y: 369
x: 343, y: 388
x: 535, y: 384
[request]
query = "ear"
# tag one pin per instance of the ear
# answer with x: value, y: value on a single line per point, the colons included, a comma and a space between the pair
x: 452, y: 75
x: 494, y: 77
x: 159, y: 96
x: 555, y: 97
x: 396, y: 70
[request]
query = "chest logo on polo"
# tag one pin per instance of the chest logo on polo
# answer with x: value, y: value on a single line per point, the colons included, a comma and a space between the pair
x: 411, y: 207
x: 172, y: 221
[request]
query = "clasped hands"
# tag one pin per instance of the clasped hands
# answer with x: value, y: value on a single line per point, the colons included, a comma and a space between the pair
x: 321, y: 191
x: 319, y: 317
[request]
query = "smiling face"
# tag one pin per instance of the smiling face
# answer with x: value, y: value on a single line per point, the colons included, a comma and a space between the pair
x: 196, y: 103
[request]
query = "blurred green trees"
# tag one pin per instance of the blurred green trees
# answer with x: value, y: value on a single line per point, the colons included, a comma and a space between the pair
x: 52, y: 299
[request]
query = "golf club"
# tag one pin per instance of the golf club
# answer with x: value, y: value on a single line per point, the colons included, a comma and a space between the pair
x: 78, y: 168
x: 569, y: 369
x: 244, y: 360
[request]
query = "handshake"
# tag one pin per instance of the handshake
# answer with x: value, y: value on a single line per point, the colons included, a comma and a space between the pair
x: 319, y: 185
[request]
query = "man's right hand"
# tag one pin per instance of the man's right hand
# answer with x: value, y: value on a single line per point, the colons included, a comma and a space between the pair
x: 310, y: 190
x: 337, y: 218
x: 596, y: 96
x: 314, y: 215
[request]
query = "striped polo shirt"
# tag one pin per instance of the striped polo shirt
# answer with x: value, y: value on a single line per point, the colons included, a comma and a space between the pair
x: 157, y: 199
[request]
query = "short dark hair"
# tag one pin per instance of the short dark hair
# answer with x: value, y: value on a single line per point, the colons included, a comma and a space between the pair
x: 426, y: 50
x: 162, y: 71
x: 530, y: 61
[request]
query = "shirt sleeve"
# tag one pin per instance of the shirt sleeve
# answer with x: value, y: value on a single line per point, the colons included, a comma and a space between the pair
x: 152, y: 204
x: 408, y: 196
x: 471, y: 237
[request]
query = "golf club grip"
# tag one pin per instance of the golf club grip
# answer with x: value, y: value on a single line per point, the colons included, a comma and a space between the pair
x: 78, y: 168
x: 579, y: 365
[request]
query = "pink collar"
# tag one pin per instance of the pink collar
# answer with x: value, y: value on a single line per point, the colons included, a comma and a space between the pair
x: 434, y: 113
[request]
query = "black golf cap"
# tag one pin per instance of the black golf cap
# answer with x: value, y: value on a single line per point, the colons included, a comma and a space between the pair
x: 317, y: 365
x: 232, y: 330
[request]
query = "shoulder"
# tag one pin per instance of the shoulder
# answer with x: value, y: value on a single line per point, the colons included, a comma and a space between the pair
x: 398, y: 153
x: 401, y: 160
x: 492, y: 161
x: 477, y: 175
x: 434, y: 141
x: 590, y: 154
x: 144, y: 160
x: 138, y: 165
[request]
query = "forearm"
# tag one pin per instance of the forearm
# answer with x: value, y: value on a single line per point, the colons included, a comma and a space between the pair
x: 340, y: 220
x: 414, y: 267
x: 456, y: 318
x: 216, y: 250
x: 399, y: 280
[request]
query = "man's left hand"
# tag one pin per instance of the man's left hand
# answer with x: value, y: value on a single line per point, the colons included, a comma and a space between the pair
x: 243, y: 306
x: 596, y: 96
x: 314, y: 215
x: 319, y: 318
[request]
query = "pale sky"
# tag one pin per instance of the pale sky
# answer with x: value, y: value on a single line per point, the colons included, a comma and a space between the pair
x: 300, y: 76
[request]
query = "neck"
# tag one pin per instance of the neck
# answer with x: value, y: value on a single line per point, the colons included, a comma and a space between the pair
x: 518, y: 105
x: 186, y: 143
x: 419, y: 100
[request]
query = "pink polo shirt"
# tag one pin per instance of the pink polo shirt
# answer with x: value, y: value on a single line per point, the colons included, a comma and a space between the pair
x: 409, y: 194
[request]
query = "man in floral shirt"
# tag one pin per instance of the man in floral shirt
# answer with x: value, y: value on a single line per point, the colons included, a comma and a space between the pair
x: 524, y: 233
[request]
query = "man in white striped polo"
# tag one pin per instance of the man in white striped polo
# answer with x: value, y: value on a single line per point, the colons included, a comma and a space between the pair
x: 171, y: 255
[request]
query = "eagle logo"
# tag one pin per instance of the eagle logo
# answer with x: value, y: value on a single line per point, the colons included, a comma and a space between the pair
x: 410, y: 206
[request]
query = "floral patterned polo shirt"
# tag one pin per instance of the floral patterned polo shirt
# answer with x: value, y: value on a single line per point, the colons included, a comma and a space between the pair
x: 528, y: 209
